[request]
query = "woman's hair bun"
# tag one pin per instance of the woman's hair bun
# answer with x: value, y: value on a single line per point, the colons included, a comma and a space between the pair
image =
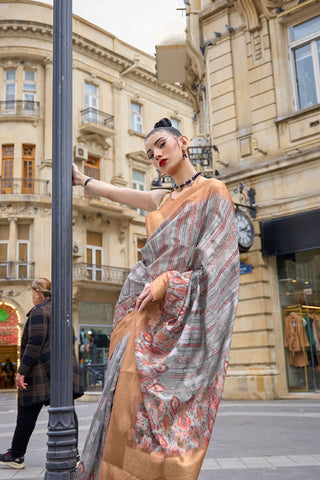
x: 164, y: 122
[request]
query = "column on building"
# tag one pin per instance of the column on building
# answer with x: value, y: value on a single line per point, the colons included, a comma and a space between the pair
x: 120, y: 111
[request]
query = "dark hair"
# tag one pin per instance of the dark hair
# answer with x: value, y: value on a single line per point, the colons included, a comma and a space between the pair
x: 166, y: 125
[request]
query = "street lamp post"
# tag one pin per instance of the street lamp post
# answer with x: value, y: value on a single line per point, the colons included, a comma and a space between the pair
x: 61, y: 454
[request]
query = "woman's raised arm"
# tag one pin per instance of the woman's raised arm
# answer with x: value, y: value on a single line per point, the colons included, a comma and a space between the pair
x: 146, y: 200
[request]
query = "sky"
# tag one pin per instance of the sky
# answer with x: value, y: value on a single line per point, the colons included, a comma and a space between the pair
x: 141, y: 23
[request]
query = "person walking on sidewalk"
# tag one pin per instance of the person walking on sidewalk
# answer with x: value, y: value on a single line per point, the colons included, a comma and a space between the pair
x: 33, y: 376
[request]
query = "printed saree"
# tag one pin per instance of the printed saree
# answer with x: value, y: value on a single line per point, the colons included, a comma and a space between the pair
x: 168, y: 381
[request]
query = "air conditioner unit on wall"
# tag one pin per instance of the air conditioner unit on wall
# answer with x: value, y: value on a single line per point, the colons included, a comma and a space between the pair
x: 77, y: 250
x: 80, y: 153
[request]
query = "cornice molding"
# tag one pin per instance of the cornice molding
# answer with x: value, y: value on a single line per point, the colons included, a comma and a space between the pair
x: 120, y: 63
x: 271, y: 166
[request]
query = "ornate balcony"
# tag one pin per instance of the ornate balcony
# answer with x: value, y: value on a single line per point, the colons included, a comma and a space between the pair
x: 201, y: 158
x: 11, y: 109
x: 24, y: 186
x: 99, y: 273
x: 95, y: 121
x: 16, y: 271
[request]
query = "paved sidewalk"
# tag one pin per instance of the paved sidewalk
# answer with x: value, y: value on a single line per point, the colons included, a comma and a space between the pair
x: 251, y: 440
x: 265, y: 441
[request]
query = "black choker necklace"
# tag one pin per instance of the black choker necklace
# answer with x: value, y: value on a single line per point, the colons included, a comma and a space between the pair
x: 190, y: 181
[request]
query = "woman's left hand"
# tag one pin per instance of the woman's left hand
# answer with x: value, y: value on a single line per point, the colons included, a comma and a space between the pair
x: 144, y: 298
x: 21, y: 384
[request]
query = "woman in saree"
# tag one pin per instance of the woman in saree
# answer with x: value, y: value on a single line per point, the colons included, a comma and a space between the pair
x: 172, y: 327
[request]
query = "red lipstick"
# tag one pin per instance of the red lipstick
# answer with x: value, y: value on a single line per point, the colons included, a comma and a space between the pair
x: 162, y: 162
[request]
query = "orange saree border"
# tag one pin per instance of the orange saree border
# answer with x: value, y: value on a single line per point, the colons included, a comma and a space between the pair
x: 120, y: 461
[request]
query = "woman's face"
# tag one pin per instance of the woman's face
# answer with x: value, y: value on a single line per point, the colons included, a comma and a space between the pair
x: 165, y: 151
x: 36, y: 296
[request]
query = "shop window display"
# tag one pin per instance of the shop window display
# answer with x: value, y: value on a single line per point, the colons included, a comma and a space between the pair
x: 94, y: 344
x: 95, y: 325
x: 299, y: 289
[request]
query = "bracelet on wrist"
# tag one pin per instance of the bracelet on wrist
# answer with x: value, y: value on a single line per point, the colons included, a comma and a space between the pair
x: 87, y: 181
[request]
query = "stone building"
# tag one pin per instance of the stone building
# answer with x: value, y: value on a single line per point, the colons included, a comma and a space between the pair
x: 116, y: 101
x: 260, y: 100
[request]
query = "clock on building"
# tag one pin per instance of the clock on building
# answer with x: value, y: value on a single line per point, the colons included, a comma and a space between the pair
x: 245, y: 231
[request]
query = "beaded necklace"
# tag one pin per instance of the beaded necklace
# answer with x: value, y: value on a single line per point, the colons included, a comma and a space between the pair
x: 190, y: 181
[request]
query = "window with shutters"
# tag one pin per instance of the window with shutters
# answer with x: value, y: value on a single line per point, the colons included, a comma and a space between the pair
x: 92, y: 169
x: 4, y: 251
x: 140, y: 244
x: 7, y: 169
x: 28, y: 155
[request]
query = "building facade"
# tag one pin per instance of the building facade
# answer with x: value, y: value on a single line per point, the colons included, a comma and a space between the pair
x: 261, y: 104
x: 116, y: 101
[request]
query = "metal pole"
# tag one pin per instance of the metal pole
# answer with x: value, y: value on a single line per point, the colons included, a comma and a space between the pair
x: 61, y: 454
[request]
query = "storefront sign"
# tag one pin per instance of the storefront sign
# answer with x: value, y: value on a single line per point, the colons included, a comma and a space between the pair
x: 9, y: 325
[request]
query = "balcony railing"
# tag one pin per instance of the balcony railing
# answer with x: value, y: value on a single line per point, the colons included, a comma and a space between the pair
x: 201, y: 157
x: 19, y: 108
x: 92, y: 115
x: 29, y: 186
x: 99, y: 273
x: 95, y: 121
x: 16, y: 271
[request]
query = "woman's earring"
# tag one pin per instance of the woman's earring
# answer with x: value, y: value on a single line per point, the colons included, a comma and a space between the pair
x: 185, y: 155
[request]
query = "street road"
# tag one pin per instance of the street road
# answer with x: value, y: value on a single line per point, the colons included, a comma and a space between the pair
x: 251, y: 440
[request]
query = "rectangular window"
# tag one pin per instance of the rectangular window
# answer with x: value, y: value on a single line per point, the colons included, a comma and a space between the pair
x: 4, y: 249
x: 138, y: 183
x: 7, y: 169
x: 28, y: 154
x: 94, y: 256
x: 23, y: 251
x: 140, y: 244
x: 10, y: 90
x: 175, y: 123
x: 305, y: 56
x: 91, y: 102
x: 136, y: 117
x: 4, y: 266
x: 29, y: 91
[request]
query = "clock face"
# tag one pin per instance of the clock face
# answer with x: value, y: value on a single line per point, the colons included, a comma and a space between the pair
x: 245, y: 231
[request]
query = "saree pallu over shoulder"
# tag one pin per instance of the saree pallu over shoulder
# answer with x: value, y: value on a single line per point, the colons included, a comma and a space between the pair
x: 182, y: 341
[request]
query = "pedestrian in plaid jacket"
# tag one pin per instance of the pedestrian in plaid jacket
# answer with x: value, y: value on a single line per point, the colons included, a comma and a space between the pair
x: 33, y: 377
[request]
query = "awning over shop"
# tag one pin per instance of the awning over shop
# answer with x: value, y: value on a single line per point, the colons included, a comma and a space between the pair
x: 293, y: 233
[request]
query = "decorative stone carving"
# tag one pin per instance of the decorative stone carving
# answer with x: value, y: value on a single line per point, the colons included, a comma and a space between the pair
x: 23, y: 210
x: 269, y: 6
x: 195, y: 74
x: 249, y: 13
x: 95, y: 143
x: 13, y: 292
x: 118, y: 86
x: 123, y: 227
